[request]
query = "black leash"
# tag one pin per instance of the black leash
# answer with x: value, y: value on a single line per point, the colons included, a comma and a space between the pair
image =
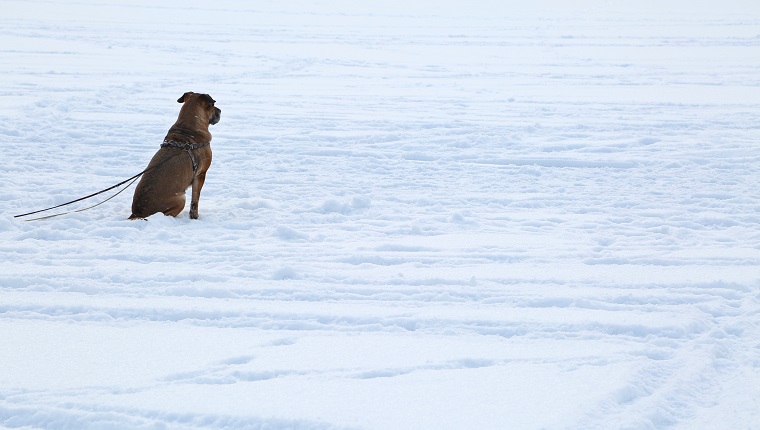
x: 83, y: 198
x: 78, y: 210
x: 133, y: 179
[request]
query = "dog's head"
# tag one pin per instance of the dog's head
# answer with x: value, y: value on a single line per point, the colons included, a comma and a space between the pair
x: 204, y: 103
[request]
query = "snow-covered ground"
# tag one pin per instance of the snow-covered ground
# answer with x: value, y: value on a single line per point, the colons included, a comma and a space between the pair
x: 420, y: 215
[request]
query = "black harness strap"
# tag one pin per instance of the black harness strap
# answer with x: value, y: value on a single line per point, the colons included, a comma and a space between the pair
x: 189, y: 147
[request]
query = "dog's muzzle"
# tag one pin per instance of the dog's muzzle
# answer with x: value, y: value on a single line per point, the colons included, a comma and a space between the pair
x: 217, y: 116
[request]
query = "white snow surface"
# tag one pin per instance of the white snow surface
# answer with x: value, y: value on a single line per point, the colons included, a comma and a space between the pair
x: 420, y: 215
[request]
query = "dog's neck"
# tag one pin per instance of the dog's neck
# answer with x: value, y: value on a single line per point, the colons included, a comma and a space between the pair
x: 178, y: 133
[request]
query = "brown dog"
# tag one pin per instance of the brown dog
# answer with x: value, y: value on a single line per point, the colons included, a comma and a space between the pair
x: 182, y: 161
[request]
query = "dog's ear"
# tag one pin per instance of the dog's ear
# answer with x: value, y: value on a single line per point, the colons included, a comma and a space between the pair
x: 182, y: 99
x: 207, y: 98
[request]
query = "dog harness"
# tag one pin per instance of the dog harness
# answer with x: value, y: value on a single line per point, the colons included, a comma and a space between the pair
x: 189, y: 147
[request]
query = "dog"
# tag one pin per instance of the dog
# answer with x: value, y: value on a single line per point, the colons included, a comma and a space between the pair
x: 181, y: 162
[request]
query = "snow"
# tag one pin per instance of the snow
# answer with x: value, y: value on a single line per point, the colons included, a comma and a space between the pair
x: 420, y: 215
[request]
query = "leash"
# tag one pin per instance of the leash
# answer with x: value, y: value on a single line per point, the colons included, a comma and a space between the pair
x: 78, y: 210
x: 85, y: 197
x: 167, y: 143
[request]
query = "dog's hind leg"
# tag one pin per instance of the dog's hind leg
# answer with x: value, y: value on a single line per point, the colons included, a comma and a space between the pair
x: 176, y: 204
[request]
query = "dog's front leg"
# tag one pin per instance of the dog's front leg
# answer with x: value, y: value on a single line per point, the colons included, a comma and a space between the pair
x: 196, y: 194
